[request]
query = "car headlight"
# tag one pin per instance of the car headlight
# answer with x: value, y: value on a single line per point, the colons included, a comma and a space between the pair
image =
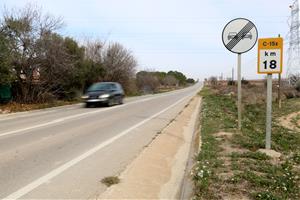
x: 85, y: 97
x: 103, y: 96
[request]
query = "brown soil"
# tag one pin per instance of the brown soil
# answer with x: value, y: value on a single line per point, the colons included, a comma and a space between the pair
x: 226, y: 173
x: 287, y: 121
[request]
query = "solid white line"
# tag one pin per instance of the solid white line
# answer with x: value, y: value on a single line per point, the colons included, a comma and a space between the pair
x: 4, y: 117
x: 31, y: 186
x: 56, y: 121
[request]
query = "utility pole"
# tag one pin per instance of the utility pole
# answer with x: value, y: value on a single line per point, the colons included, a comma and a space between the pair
x: 293, y: 63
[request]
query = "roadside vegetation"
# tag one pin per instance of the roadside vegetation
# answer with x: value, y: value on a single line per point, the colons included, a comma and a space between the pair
x: 38, y: 65
x: 110, y: 180
x: 12, y: 107
x: 231, y: 164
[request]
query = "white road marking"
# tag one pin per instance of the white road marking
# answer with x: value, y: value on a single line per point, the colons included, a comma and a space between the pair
x: 70, y: 117
x: 23, y: 114
x: 33, y: 185
x: 10, y: 116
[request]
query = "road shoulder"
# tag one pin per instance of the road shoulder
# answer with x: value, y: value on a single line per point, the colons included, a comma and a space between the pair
x: 157, y: 173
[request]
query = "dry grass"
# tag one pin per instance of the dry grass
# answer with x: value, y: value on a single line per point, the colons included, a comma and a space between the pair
x: 111, y: 180
x: 256, y: 94
x: 17, y: 107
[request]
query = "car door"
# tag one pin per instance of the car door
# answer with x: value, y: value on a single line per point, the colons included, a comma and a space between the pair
x: 119, y: 93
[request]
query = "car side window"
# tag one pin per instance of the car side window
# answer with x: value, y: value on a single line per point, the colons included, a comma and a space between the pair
x: 113, y: 87
x: 119, y: 87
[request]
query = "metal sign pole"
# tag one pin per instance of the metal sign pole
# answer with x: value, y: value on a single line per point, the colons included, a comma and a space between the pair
x: 270, y: 60
x: 239, y: 91
x: 269, y: 112
x: 239, y: 36
x: 279, y: 91
x: 279, y: 87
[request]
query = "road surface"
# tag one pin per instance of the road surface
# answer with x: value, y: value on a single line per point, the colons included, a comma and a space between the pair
x: 65, y: 152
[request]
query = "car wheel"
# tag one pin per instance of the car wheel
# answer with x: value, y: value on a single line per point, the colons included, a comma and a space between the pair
x: 87, y: 105
x: 121, y: 100
x: 110, y: 103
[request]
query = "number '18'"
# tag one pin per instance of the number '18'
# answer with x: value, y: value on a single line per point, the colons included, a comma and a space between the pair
x: 273, y: 64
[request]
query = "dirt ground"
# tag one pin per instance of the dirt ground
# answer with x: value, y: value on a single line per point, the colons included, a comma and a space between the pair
x: 158, y: 171
x: 226, y: 173
x: 291, y: 121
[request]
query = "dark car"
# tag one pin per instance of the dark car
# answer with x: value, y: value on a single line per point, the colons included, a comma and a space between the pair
x: 104, y: 93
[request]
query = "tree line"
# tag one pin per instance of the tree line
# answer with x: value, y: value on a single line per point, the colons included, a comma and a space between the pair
x: 151, y: 81
x: 41, y: 65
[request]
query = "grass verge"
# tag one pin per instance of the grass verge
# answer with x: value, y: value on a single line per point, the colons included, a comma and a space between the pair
x: 229, y: 165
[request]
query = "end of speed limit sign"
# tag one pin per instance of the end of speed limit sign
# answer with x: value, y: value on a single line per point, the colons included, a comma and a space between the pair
x: 270, y: 55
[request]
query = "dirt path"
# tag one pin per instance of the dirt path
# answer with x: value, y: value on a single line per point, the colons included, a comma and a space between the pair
x: 287, y: 121
x: 158, y: 171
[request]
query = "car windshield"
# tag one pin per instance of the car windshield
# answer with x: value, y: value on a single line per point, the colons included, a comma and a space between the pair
x: 101, y: 86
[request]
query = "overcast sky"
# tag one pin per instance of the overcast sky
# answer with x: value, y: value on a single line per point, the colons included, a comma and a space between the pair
x: 183, y: 35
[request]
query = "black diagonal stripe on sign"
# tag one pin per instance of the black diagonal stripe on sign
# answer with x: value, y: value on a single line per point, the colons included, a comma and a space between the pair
x: 247, y: 28
x: 239, y: 37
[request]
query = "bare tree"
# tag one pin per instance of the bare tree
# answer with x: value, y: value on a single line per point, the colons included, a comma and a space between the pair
x: 56, y: 65
x: 44, y: 62
x: 93, y: 61
x: 119, y: 64
x: 93, y: 50
x: 147, y: 82
x: 28, y: 31
x: 213, y: 81
x: 170, y: 80
x: 6, y: 73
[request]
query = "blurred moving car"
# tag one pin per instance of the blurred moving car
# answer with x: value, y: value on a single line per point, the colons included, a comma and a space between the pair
x: 104, y: 93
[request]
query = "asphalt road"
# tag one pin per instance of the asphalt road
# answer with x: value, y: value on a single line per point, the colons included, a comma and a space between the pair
x: 63, y: 153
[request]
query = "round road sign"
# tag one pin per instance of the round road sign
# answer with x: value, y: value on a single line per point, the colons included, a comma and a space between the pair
x: 239, y: 35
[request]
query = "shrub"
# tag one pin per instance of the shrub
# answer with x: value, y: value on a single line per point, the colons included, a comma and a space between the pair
x: 297, y: 86
x: 230, y: 82
x: 245, y: 82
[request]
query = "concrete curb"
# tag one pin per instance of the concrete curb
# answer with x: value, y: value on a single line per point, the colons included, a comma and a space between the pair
x: 187, y: 186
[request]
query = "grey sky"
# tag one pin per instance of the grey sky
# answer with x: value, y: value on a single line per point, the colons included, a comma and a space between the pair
x: 182, y: 35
